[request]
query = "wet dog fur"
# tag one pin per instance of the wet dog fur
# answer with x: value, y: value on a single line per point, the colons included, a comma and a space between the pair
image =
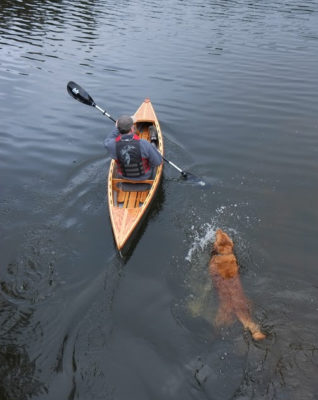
x: 224, y: 270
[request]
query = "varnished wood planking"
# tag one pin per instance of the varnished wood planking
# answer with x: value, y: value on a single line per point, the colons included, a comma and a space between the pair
x: 130, y: 207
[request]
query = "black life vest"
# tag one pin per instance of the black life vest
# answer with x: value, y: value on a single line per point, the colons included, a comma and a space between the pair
x: 129, y: 161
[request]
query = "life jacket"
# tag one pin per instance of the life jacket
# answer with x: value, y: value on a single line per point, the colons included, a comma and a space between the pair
x: 129, y: 160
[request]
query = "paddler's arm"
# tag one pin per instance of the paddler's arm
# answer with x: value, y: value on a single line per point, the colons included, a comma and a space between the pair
x: 153, y: 155
x: 112, y: 136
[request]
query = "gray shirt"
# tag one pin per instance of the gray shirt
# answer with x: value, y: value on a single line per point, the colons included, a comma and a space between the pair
x: 147, y: 150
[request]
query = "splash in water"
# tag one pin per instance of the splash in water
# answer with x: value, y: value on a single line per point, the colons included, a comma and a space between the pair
x: 201, y: 239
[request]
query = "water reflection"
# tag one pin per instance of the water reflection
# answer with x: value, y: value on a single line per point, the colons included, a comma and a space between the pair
x: 17, y: 373
x: 26, y: 282
x: 27, y: 22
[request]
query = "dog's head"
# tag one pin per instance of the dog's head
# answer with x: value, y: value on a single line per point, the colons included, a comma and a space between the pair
x: 223, y: 243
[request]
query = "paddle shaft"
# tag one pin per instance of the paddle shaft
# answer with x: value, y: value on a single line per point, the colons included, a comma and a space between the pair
x: 183, y: 173
x: 104, y: 112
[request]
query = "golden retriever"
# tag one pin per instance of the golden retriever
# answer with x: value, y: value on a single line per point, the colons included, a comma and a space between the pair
x: 224, y: 270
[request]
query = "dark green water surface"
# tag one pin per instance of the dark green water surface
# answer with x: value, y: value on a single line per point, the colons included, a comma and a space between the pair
x: 235, y: 87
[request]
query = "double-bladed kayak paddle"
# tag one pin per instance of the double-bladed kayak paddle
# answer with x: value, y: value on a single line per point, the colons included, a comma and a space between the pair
x: 79, y: 94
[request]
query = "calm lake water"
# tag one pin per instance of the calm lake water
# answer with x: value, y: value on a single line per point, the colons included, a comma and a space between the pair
x: 235, y: 87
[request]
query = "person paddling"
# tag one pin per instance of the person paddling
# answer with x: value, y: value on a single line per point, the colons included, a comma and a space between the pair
x: 136, y: 158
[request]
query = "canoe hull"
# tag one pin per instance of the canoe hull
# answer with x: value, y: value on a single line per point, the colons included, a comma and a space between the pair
x: 127, y: 208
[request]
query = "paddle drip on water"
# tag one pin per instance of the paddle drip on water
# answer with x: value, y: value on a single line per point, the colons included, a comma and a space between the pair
x: 193, y: 179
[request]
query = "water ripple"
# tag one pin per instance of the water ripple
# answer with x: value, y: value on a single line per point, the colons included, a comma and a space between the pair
x: 234, y: 85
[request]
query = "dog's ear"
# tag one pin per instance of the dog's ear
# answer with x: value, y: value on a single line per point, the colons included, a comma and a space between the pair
x: 223, y: 243
x: 218, y: 234
x: 226, y: 240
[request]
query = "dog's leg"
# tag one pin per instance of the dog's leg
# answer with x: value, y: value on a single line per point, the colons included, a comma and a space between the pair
x: 251, y: 326
x: 224, y: 315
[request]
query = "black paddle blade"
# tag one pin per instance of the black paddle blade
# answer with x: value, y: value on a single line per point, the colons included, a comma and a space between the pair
x: 78, y: 93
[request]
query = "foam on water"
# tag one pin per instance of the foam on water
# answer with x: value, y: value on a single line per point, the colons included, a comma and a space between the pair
x: 203, y: 236
x: 201, y: 239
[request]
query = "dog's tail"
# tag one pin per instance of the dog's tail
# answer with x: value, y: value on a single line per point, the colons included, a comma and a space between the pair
x: 252, y: 327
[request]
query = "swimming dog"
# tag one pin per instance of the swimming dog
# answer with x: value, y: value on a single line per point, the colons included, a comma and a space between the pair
x: 224, y: 270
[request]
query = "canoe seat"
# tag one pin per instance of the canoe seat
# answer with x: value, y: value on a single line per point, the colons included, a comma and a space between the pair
x: 133, y: 187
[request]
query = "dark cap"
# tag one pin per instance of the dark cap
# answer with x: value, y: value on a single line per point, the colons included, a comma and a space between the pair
x: 124, y: 123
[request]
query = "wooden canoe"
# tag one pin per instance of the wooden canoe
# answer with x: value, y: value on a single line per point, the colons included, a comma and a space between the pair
x: 129, y: 201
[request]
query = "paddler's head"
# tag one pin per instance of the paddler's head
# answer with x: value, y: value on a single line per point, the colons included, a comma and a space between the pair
x: 124, y: 124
